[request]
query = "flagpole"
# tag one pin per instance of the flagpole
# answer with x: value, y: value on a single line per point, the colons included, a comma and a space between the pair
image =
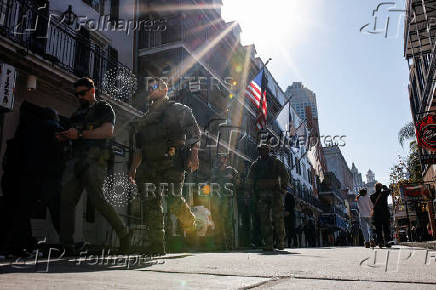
x: 264, y: 79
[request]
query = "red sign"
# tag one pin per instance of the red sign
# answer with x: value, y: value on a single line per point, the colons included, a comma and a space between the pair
x: 426, y: 132
x: 415, y: 191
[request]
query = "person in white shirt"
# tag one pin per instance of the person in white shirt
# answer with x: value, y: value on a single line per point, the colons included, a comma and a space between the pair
x: 365, y: 213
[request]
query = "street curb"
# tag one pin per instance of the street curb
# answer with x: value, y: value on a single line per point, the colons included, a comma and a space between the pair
x: 427, y: 245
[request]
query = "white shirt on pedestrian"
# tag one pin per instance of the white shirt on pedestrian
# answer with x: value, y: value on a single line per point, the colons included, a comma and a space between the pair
x: 365, y: 206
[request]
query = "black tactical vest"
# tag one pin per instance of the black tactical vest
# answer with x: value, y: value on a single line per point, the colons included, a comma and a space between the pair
x: 160, y: 130
x: 265, y: 173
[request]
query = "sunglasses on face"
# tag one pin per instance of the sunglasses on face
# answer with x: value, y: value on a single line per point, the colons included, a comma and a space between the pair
x: 153, y: 87
x: 81, y: 93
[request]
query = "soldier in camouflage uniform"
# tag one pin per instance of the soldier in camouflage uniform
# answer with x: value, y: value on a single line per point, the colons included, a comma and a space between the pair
x: 167, y: 146
x: 226, y: 179
x: 266, y: 181
x: 91, y: 126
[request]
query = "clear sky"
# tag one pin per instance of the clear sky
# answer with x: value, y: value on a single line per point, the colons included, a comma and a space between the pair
x: 360, y: 78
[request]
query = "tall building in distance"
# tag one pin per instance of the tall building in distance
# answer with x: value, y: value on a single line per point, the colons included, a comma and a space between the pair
x: 303, y: 101
x: 357, y: 178
x: 370, y: 181
x: 337, y: 164
x: 300, y: 98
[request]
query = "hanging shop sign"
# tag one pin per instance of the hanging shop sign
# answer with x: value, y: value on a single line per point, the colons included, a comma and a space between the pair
x: 7, y: 86
x: 426, y: 132
x: 415, y: 192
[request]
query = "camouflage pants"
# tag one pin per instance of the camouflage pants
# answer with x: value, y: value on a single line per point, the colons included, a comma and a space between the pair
x: 221, y: 209
x: 268, y: 205
x: 155, y: 185
x: 89, y: 175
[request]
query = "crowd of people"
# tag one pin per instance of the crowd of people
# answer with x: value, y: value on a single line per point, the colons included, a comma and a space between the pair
x: 50, y: 163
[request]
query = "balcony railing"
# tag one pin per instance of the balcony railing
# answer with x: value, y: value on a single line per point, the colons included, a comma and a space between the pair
x: 307, y: 197
x: 46, y: 35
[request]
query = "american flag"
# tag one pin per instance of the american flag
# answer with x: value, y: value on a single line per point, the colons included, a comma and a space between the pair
x: 256, y: 92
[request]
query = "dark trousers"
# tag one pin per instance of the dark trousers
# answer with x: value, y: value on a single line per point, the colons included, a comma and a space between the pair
x: 244, y: 222
x: 291, y: 235
x: 255, y: 234
x: 383, y: 226
x: 222, y: 216
x: 87, y: 175
x: 16, y: 216
x: 269, y: 207
x: 20, y: 198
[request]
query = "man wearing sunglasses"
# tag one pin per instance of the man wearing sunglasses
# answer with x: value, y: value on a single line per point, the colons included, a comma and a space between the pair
x: 167, y: 147
x: 92, y: 126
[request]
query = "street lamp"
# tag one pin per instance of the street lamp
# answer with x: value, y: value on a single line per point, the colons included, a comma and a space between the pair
x: 69, y: 16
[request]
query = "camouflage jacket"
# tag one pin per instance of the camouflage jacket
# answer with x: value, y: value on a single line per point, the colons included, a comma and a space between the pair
x: 268, y: 174
x: 165, y: 129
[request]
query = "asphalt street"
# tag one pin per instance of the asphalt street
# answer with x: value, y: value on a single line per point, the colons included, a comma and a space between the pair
x: 306, y: 268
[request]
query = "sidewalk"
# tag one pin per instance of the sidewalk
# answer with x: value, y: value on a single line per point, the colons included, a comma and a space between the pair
x: 304, y: 268
x: 426, y: 245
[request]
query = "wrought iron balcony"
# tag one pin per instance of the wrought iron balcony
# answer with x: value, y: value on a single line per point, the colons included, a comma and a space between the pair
x: 45, y: 34
x: 306, y: 196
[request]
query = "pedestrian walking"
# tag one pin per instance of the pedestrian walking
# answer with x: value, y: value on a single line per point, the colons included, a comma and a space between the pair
x: 91, y: 127
x: 381, y: 215
x: 266, y: 181
x: 365, y: 208
x: 291, y: 234
x: 166, y: 148
x: 33, y: 167
x: 225, y: 180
